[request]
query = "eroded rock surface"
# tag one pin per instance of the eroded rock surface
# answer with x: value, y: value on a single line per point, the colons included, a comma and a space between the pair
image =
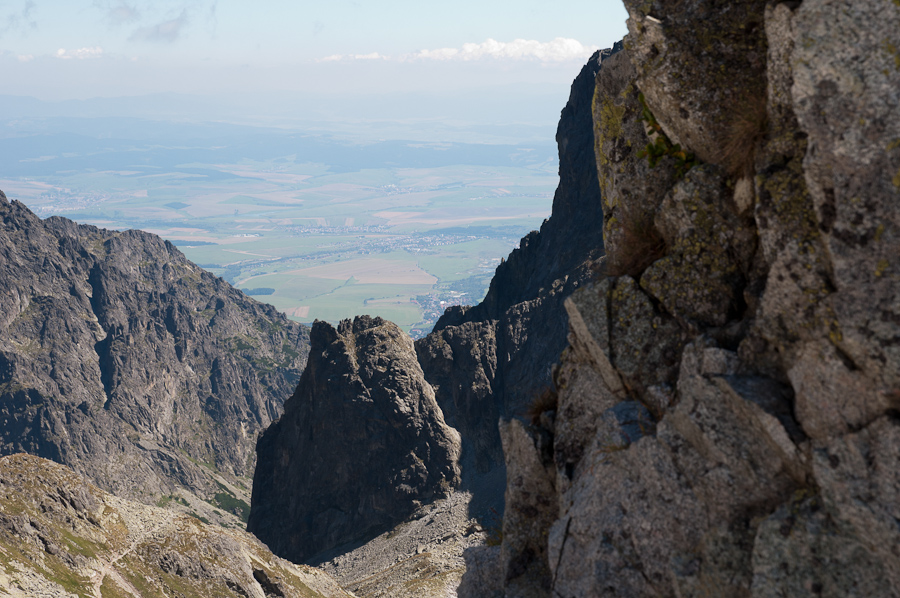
x: 128, y: 363
x: 726, y: 414
x: 362, y: 444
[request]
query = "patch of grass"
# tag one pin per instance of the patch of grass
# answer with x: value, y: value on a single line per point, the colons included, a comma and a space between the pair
x: 65, y: 577
x: 240, y: 343
x: 227, y: 501
x: 199, y: 517
x: 640, y: 245
x: 662, y: 147
x: 109, y: 589
x: 197, y: 462
x: 135, y: 576
x: 288, y: 350
x: 746, y: 134
x: 82, y: 546
x: 294, y: 582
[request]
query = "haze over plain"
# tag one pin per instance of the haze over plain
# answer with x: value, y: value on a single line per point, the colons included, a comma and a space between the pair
x: 375, y: 126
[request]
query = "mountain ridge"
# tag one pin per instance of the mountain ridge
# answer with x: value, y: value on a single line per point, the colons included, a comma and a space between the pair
x: 123, y: 360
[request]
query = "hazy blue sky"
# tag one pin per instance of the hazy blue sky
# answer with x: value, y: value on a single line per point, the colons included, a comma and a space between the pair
x: 65, y: 49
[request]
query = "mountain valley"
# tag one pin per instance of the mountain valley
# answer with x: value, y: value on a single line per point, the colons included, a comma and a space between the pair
x: 684, y: 385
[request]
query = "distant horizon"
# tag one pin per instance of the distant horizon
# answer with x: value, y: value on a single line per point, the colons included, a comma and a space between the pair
x: 506, y: 114
x: 58, y: 51
x: 297, y: 141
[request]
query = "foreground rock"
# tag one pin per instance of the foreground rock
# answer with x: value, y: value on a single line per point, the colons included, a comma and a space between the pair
x: 362, y: 444
x: 725, y: 422
x: 128, y: 363
x: 61, y: 536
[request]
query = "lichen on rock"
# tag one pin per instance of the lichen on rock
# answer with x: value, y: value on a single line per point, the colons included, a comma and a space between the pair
x: 696, y: 62
x: 726, y: 420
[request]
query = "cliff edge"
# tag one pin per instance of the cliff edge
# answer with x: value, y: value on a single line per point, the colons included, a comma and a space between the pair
x: 726, y: 414
x: 489, y: 360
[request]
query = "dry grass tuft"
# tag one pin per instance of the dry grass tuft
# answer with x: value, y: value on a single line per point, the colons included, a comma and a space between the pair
x: 639, y: 245
x: 746, y: 134
x: 544, y: 401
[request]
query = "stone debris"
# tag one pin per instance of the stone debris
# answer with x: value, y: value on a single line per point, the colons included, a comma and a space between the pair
x: 60, y: 537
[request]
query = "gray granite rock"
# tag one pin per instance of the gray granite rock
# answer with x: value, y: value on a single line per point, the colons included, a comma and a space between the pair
x: 361, y: 445
x: 125, y: 361
x: 696, y: 63
x: 530, y: 510
x: 727, y: 427
x: 846, y: 63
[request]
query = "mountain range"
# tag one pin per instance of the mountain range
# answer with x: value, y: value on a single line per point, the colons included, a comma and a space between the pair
x: 687, y: 382
x: 128, y: 363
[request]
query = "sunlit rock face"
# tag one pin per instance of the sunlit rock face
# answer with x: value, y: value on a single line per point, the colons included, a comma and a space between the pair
x: 125, y: 361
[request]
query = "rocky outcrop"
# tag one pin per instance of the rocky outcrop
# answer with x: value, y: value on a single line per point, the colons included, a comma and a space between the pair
x: 725, y: 422
x: 361, y: 445
x: 128, y: 363
x: 490, y: 360
x: 60, y: 536
x: 698, y: 64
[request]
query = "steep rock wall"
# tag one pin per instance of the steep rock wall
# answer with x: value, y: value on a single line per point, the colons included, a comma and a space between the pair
x: 726, y: 419
x: 490, y: 360
x: 362, y: 443
x: 128, y: 363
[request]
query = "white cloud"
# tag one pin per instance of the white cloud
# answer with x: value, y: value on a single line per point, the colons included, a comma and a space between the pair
x: 339, y: 57
x: 25, y: 57
x: 80, y: 53
x: 558, y: 50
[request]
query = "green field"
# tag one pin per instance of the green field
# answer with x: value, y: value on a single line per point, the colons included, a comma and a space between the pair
x: 392, y: 242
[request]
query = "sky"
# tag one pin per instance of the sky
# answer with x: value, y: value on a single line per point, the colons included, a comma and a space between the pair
x: 77, y: 49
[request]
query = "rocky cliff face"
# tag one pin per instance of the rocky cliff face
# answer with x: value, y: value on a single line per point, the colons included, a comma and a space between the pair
x: 125, y: 361
x: 61, y: 536
x: 726, y: 417
x: 490, y: 360
x: 361, y: 445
